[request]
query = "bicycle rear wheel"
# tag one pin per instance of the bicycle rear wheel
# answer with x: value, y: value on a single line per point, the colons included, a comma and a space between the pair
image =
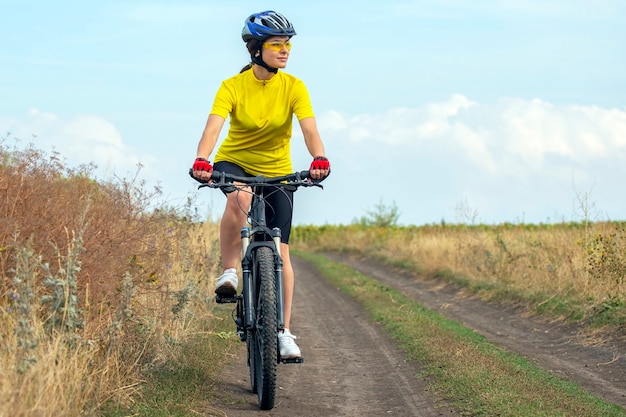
x: 263, y: 348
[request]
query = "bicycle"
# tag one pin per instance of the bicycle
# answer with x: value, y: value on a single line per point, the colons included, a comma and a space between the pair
x: 259, y: 311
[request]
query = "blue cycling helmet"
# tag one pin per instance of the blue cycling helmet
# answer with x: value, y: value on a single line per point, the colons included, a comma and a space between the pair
x: 263, y: 25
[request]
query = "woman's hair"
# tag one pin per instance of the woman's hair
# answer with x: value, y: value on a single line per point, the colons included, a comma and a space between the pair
x: 254, y: 46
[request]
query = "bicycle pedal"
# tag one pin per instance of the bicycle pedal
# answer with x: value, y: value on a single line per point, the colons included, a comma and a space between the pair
x: 292, y: 360
x: 220, y: 299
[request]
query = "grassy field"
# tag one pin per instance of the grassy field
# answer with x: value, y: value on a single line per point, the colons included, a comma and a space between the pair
x: 105, y: 296
x: 569, y: 271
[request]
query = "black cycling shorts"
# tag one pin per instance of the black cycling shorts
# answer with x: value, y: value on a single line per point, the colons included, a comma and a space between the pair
x: 278, y: 201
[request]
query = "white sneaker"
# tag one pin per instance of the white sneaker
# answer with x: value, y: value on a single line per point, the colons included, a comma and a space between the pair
x: 226, y: 285
x: 287, y: 347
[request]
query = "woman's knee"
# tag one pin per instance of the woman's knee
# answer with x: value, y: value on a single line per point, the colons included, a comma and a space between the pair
x: 237, y: 206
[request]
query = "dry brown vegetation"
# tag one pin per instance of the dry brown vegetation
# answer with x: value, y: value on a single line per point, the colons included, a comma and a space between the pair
x: 99, y: 283
x: 574, y: 271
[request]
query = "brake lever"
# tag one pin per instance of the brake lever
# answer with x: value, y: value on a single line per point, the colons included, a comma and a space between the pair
x: 314, y: 183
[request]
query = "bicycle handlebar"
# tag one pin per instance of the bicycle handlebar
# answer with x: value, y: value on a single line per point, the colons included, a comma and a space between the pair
x: 223, y: 180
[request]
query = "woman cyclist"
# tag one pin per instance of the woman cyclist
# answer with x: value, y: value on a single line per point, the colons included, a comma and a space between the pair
x: 261, y: 103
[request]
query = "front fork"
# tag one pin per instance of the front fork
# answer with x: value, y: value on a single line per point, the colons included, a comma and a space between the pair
x: 246, y: 310
x: 280, y: 286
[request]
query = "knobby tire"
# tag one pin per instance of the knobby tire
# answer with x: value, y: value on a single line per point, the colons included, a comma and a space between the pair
x: 263, y: 346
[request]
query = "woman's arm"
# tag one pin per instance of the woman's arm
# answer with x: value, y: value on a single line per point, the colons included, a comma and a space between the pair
x: 202, y: 168
x: 312, y: 137
x: 319, y: 169
x: 209, y: 137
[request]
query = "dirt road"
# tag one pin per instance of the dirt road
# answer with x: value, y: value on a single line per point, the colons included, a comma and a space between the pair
x: 352, y: 369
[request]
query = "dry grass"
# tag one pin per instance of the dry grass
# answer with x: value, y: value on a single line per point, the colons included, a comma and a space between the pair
x: 100, y: 281
x: 575, y: 270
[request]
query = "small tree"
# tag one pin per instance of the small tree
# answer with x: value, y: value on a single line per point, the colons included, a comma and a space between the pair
x: 381, y: 215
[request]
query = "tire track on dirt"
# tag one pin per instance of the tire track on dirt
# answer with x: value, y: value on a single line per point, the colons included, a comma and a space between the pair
x: 555, y: 347
x: 351, y: 367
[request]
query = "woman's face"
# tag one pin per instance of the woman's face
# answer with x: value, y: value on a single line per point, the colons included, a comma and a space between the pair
x: 275, y: 51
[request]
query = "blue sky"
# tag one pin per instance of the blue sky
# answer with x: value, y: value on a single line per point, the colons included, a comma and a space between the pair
x: 483, y: 111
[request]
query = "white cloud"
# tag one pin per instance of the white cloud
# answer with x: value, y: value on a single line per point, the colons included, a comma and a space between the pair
x: 515, y: 157
x: 522, y: 132
x: 80, y: 139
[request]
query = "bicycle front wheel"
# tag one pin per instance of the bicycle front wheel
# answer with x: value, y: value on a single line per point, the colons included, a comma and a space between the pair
x: 264, y: 341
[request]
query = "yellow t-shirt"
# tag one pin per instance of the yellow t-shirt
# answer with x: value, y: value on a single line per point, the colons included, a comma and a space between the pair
x: 261, y: 114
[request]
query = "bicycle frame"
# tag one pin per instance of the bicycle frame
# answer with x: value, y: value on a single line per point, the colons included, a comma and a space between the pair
x: 258, y: 235
x: 251, y: 239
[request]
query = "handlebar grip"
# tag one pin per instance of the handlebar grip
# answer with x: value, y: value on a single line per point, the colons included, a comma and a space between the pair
x: 191, y: 175
x: 307, y: 174
x: 214, y: 176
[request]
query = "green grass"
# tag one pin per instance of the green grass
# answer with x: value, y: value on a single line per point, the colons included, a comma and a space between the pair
x: 188, y: 383
x: 466, y: 371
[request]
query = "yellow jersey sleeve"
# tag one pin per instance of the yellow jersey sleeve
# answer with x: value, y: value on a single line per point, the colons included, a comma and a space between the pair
x: 261, y: 115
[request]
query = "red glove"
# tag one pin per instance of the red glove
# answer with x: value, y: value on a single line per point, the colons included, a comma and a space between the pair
x: 201, y: 164
x: 320, y: 162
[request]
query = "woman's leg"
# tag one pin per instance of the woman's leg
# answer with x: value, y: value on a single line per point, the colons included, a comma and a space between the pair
x: 234, y: 218
x: 286, y: 343
x: 288, y: 282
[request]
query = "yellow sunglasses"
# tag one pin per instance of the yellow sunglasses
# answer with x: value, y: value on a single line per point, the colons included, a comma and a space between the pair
x: 277, y: 46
